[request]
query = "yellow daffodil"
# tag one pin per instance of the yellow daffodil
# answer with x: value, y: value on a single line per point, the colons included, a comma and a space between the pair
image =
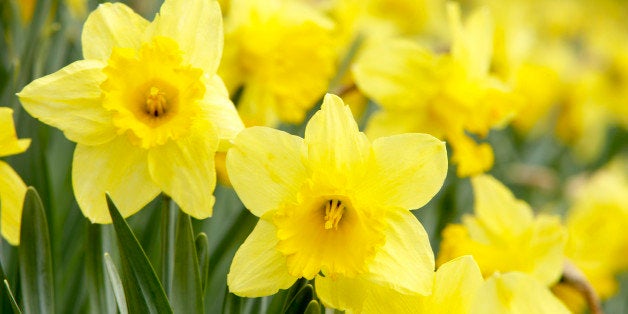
x: 516, y: 293
x: 504, y: 235
x: 596, y: 224
x: 145, y: 107
x: 335, y: 207
x: 12, y: 188
x: 280, y: 53
x: 447, y: 95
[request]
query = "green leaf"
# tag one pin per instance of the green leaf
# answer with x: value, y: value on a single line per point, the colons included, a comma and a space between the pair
x: 100, y: 298
x: 116, y: 284
x: 143, y: 292
x: 301, y: 300
x: 202, y: 251
x: 313, y: 308
x: 292, y: 292
x: 34, y: 257
x: 6, y: 294
x: 187, y: 293
x: 168, y: 217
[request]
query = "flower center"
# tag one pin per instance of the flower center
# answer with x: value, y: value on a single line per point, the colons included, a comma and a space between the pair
x: 156, y: 102
x: 333, y: 213
x: 153, y: 94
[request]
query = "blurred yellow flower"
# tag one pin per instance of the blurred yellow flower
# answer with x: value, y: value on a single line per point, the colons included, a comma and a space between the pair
x: 280, y: 53
x: 335, y: 207
x: 447, y: 96
x: 504, y: 235
x: 146, y: 108
x: 596, y: 224
x: 12, y: 188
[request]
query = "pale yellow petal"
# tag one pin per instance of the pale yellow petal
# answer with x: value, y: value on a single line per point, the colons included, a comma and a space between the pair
x: 258, y: 269
x: 406, y: 262
x: 472, y: 43
x: 70, y: 100
x: 196, y: 25
x: 265, y: 168
x: 12, y: 191
x: 346, y: 294
x: 409, y: 170
x: 219, y: 109
x: 111, y: 25
x: 456, y: 285
x: 184, y: 169
x: 358, y: 295
x: 336, y: 148
x: 116, y: 167
x: 516, y: 293
x: 498, y: 209
x: 396, y: 74
x: 9, y: 143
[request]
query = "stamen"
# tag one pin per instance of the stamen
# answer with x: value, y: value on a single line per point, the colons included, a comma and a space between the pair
x: 156, y: 102
x: 333, y: 213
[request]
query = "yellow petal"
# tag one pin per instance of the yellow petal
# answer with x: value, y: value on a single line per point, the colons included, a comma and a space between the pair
x: 500, y: 212
x: 116, y: 167
x: 219, y: 109
x: 472, y: 44
x: 336, y: 148
x: 397, y: 74
x: 456, y: 285
x: 362, y: 296
x: 258, y: 269
x: 12, y: 191
x: 265, y: 168
x: 406, y: 262
x: 9, y: 144
x: 184, y: 169
x: 409, y: 170
x: 111, y: 25
x: 516, y: 293
x: 345, y: 294
x: 70, y: 99
x: 196, y: 25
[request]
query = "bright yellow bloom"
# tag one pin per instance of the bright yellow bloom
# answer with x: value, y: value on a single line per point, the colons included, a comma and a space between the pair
x: 596, y: 223
x: 504, y: 235
x: 280, y: 52
x: 335, y: 207
x: 146, y: 108
x: 12, y: 188
x: 443, y: 95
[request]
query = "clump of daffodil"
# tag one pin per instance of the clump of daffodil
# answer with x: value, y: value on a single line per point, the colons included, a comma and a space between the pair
x: 446, y: 95
x: 145, y: 107
x: 504, y: 235
x: 596, y: 225
x: 335, y: 207
x: 280, y: 53
x: 12, y: 188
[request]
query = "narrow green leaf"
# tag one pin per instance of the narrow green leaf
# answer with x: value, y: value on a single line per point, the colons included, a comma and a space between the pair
x: 100, y: 298
x: 202, y: 251
x: 6, y: 293
x: 313, y: 308
x: 116, y: 284
x: 187, y: 293
x: 139, y: 277
x: 232, y: 303
x: 301, y: 300
x: 35, y: 258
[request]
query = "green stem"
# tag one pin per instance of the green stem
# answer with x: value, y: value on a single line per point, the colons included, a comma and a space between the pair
x: 168, y: 218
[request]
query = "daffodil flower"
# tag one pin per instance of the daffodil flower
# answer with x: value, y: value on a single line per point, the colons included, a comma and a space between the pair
x: 504, y: 235
x: 12, y: 188
x: 281, y: 53
x: 145, y: 107
x: 335, y: 207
